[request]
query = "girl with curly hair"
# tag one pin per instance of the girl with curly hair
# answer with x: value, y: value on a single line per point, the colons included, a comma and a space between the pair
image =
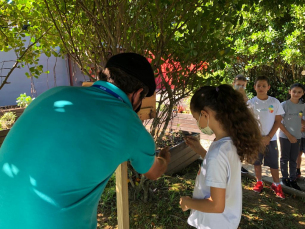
x: 217, y: 196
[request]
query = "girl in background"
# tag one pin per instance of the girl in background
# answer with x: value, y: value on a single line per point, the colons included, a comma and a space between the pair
x: 290, y: 134
x: 217, y: 196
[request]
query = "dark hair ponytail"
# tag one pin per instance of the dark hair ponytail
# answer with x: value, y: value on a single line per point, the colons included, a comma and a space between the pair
x: 234, y: 116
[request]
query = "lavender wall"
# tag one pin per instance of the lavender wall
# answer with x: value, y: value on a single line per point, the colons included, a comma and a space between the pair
x: 19, y: 83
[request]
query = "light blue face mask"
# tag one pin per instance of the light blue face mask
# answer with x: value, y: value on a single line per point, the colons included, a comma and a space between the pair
x: 207, y: 130
x: 236, y: 87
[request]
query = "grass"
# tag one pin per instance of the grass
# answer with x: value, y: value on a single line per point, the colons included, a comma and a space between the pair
x: 259, y: 210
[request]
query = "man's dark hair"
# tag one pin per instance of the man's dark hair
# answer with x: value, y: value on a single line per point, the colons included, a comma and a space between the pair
x: 240, y: 77
x: 124, y: 81
x: 261, y: 78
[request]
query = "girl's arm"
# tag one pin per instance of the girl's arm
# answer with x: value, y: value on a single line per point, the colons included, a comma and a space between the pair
x: 194, y: 143
x: 290, y: 137
x: 214, y: 204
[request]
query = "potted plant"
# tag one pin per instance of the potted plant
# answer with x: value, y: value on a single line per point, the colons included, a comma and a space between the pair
x: 181, y: 154
x: 6, y: 122
x: 22, y: 102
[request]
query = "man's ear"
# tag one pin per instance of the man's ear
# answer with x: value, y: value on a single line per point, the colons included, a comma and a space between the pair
x: 137, y: 94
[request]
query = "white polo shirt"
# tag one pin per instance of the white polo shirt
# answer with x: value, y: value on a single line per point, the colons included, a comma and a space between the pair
x: 220, y: 169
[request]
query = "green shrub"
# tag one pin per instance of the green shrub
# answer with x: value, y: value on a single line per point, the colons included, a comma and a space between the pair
x: 7, y: 120
x: 23, y: 100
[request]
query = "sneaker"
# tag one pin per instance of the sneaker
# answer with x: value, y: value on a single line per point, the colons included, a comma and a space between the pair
x: 294, y: 184
x: 258, y: 187
x: 243, y: 170
x: 286, y: 182
x: 278, y: 191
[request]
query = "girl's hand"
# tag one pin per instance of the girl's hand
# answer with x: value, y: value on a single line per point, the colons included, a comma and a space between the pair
x: 183, y: 202
x: 303, y: 128
x: 292, y: 139
x: 194, y: 143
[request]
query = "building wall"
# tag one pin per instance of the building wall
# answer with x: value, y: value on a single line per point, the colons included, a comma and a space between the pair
x: 19, y: 83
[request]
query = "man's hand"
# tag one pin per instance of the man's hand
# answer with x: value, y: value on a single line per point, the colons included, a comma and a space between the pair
x: 164, y: 153
x: 160, y: 164
x: 183, y: 202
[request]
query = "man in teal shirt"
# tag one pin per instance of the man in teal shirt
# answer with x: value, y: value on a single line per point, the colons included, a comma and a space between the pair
x: 58, y: 157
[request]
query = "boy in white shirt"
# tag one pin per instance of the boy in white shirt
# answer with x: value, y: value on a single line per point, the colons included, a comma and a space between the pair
x: 268, y: 111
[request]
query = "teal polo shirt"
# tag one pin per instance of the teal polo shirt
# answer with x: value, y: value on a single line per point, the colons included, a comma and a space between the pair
x: 58, y: 157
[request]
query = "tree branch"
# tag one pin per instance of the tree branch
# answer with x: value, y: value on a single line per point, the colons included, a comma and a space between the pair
x: 20, y: 58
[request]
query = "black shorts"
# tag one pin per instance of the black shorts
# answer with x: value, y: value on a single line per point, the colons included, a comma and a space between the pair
x: 302, y: 145
x: 270, y: 156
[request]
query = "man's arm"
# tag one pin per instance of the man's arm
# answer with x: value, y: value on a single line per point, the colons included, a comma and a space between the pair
x: 160, y: 165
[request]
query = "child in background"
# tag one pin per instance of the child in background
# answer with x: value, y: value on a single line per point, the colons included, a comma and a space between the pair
x: 239, y: 84
x: 268, y: 111
x: 217, y: 196
x: 290, y: 134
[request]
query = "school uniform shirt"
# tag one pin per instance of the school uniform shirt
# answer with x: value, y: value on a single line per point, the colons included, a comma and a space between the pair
x: 265, y: 111
x: 292, y: 118
x: 220, y: 169
x: 57, y: 159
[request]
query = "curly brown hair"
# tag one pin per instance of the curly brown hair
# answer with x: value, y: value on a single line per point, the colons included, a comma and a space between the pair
x: 234, y: 116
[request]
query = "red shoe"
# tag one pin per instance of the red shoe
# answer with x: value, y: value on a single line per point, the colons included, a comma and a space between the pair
x: 258, y: 187
x: 278, y: 191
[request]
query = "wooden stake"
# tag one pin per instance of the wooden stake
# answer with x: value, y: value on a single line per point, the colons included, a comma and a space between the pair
x: 122, y: 196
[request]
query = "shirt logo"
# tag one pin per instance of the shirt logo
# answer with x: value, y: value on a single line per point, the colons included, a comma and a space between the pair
x: 271, y: 109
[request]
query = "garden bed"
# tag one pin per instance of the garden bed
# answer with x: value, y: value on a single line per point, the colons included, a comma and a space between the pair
x: 14, y: 108
x: 181, y: 154
x: 3, y: 134
x: 16, y: 112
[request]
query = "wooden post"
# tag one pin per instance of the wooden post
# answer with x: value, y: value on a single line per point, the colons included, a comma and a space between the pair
x: 122, y: 196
